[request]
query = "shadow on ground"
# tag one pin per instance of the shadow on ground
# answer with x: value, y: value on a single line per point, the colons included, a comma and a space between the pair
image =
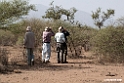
x: 51, y: 66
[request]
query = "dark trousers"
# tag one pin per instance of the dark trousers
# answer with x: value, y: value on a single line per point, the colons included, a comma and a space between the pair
x: 30, y: 55
x: 61, y: 52
x: 65, y: 52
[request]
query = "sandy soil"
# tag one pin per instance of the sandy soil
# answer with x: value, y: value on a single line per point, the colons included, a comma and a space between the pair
x: 76, y: 71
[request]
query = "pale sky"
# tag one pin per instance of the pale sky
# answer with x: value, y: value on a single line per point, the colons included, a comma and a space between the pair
x: 87, y: 5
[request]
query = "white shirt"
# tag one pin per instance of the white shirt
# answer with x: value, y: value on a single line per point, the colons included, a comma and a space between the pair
x: 60, y: 37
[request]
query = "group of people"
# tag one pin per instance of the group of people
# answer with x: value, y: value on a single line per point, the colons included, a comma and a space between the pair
x: 61, y: 44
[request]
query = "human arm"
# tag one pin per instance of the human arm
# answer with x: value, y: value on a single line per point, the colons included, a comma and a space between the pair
x: 25, y: 39
x: 66, y: 33
x: 51, y: 31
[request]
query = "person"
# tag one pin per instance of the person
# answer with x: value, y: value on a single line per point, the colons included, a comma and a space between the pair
x: 66, y: 33
x: 60, y: 40
x: 46, y: 47
x: 29, y: 41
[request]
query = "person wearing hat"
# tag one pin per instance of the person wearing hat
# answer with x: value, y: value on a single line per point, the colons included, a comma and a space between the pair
x: 29, y: 41
x: 46, y: 47
x: 60, y: 40
x: 66, y: 33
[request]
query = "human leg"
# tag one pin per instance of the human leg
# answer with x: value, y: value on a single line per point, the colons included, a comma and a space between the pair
x: 65, y: 53
x: 48, y: 52
x: 58, y: 57
x: 29, y: 56
x: 43, y: 52
x: 58, y: 52
x: 32, y: 56
x: 62, y: 53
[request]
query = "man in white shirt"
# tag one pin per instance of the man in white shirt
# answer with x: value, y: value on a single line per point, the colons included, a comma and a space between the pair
x: 60, y: 40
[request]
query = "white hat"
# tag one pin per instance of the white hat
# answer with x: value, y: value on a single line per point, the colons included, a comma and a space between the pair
x: 28, y: 28
x: 60, y: 28
x: 47, y: 28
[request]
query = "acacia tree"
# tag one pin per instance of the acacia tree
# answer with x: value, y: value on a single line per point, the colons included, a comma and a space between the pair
x: 100, y: 17
x: 12, y: 10
x: 56, y: 12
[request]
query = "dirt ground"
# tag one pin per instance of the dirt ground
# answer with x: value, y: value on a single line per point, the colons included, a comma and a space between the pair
x: 83, y: 70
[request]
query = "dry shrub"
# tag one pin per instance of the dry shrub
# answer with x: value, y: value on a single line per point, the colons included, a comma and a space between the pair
x: 2, y: 68
x: 109, y: 42
x: 79, y: 36
x: 3, y: 56
x: 14, y: 61
x: 3, y: 59
x: 6, y: 38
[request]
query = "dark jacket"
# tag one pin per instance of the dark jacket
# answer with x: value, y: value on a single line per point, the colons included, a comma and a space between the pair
x: 29, y: 39
x: 66, y: 33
